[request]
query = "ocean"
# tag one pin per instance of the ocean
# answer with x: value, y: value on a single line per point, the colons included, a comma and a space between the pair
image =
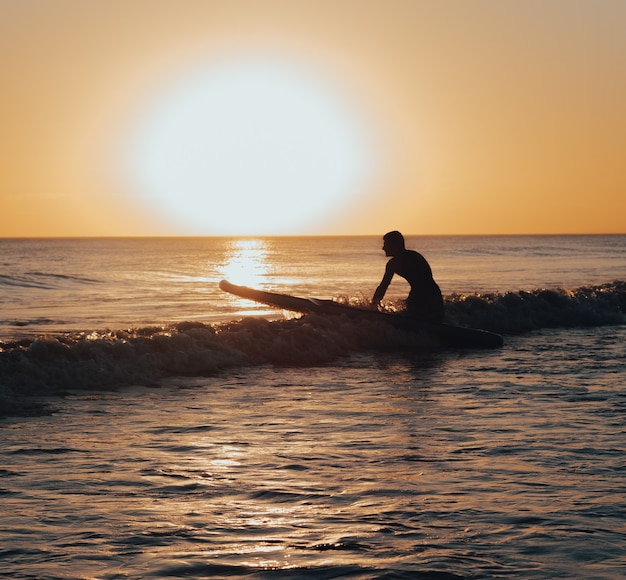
x: 153, y: 426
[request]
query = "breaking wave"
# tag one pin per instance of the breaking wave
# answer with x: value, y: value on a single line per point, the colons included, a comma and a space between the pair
x: 522, y: 311
x: 106, y: 360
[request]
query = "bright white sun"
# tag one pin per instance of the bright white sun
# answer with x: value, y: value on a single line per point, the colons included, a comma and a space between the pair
x: 249, y: 147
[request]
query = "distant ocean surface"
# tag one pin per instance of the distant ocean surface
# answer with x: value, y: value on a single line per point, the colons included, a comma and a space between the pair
x: 154, y: 427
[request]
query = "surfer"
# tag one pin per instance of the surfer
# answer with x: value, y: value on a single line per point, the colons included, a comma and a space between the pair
x: 424, y: 301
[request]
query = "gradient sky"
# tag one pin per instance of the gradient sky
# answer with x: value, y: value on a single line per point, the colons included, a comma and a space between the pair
x: 200, y: 117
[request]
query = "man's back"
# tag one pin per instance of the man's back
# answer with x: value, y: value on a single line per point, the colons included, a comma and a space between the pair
x: 425, y: 300
x: 413, y: 267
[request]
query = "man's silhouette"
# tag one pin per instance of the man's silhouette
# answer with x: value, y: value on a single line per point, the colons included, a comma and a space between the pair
x: 424, y: 301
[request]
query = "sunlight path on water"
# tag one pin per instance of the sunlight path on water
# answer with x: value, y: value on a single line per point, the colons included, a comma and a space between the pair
x: 246, y: 262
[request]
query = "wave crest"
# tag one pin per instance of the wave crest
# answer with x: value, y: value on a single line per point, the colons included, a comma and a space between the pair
x: 144, y: 356
x: 521, y: 311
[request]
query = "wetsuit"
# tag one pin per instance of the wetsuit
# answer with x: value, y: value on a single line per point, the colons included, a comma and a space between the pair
x: 425, y: 300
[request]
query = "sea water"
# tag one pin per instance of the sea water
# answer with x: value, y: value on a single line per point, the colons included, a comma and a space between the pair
x: 155, y: 427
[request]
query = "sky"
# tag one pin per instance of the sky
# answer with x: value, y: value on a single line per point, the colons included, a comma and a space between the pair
x: 322, y: 117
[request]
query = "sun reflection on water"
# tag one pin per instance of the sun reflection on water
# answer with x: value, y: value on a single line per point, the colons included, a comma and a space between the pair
x: 246, y: 262
x: 252, y: 262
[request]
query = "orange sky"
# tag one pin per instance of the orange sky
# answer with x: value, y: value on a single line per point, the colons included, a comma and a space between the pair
x: 479, y: 117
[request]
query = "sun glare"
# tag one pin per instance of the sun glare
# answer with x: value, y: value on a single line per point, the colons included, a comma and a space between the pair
x: 246, y: 262
x: 247, y: 148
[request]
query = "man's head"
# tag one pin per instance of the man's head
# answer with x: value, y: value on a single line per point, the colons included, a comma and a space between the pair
x: 393, y: 243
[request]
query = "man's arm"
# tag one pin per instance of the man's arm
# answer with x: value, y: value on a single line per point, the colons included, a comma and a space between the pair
x: 384, y: 284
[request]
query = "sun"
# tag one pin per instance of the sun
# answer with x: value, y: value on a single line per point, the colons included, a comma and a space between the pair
x: 249, y: 147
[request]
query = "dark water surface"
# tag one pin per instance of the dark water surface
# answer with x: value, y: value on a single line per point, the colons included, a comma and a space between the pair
x: 154, y: 427
x: 454, y: 465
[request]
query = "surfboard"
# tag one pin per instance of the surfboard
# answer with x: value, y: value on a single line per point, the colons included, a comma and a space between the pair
x: 444, y: 334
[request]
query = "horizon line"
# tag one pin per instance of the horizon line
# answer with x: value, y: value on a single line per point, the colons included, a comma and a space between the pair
x: 224, y: 236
